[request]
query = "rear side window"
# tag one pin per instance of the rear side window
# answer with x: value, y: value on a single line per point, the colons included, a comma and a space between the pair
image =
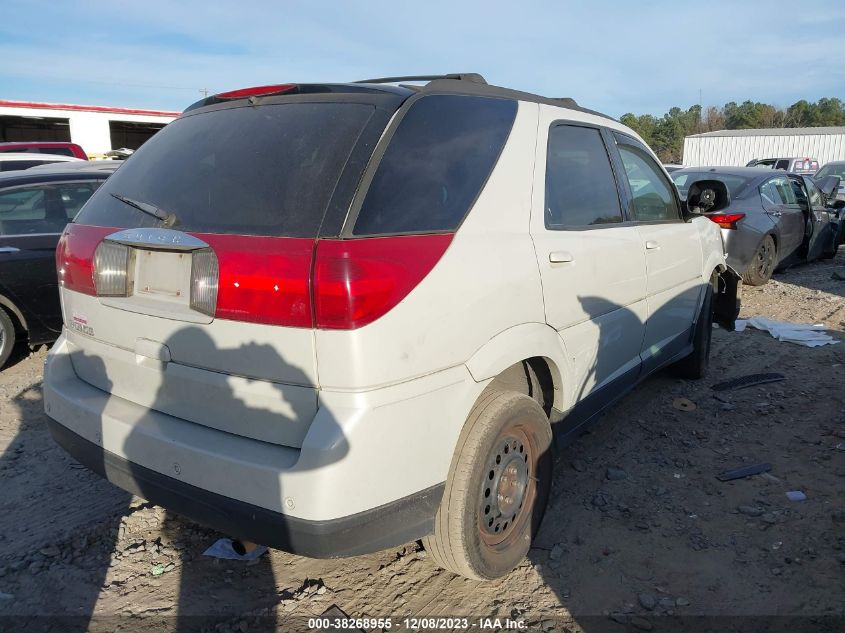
x: 41, y: 208
x: 439, y: 158
x: 580, y: 187
x: 785, y: 191
x: 770, y: 193
x: 253, y: 170
x: 14, y: 165
x: 782, y: 164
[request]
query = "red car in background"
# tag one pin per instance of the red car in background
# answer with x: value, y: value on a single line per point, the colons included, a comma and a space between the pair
x: 45, y: 147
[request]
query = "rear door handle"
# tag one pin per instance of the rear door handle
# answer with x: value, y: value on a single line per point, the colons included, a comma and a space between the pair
x: 9, y: 249
x: 651, y: 245
x: 560, y: 257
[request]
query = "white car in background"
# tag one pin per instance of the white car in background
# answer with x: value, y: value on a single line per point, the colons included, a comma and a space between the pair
x: 337, y: 318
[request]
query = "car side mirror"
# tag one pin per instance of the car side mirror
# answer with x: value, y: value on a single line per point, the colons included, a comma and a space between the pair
x: 828, y: 186
x: 705, y: 196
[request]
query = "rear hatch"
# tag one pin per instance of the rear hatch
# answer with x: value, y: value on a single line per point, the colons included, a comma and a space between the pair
x: 186, y: 278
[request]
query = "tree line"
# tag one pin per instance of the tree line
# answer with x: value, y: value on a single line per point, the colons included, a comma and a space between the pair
x: 666, y: 134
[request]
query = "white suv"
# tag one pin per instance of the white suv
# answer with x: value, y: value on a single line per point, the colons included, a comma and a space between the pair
x: 337, y: 318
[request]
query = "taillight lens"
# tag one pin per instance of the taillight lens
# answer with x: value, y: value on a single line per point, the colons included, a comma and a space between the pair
x: 112, y: 269
x: 75, y: 256
x: 263, y: 279
x: 726, y: 220
x: 357, y: 281
x: 205, y: 274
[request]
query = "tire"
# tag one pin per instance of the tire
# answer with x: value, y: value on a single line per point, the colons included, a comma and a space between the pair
x: 762, y: 265
x: 479, y: 535
x: 7, y: 337
x: 695, y: 365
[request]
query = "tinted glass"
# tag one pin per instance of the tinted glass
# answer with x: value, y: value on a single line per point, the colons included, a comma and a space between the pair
x: 653, y: 196
x: 831, y: 170
x: 74, y: 195
x: 580, y: 187
x: 61, y: 151
x: 14, y: 165
x: 436, y: 163
x: 265, y: 170
x: 29, y: 210
x: 816, y: 199
x: 785, y: 189
x: 770, y: 194
x: 736, y: 184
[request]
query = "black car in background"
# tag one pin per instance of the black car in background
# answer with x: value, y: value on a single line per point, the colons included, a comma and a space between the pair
x: 35, y: 206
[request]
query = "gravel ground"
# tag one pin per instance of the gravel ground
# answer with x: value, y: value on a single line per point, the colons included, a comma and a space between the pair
x: 638, y: 528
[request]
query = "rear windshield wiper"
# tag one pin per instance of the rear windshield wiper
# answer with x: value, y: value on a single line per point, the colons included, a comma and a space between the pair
x: 168, y: 219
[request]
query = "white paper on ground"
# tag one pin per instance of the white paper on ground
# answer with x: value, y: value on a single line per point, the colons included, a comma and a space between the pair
x: 807, y: 334
x: 222, y: 548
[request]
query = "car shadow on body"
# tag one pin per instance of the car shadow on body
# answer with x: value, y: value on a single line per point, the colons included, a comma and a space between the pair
x: 576, y: 557
x: 209, y: 592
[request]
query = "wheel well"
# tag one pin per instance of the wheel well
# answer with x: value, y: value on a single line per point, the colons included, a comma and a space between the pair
x: 533, y: 377
x: 13, y: 314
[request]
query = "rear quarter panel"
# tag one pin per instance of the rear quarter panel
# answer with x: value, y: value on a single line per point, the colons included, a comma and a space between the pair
x: 486, y: 282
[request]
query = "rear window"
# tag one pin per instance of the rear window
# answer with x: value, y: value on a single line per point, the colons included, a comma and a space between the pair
x: 439, y: 158
x: 61, y: 151
x: 254, y: 170
x: 15, y: 165
x: 831, y: 169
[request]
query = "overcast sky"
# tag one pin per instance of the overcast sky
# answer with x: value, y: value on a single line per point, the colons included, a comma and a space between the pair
x: 614, y: 56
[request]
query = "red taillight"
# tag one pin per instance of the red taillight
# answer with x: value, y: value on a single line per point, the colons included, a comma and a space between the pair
x: 255, y: 91
x: 726, y: 220
x: 263, y: 279
x: 357, y: 281
x: 269, y: 279
x: 75, y: 256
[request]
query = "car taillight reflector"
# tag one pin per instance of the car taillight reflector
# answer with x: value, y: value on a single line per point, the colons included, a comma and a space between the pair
x: 357, y: 281
x: 726, y: 220
x: 262, y: 279
x: 205, y: 276
x: 255, y: 91
x: 75, y: 256
x: 112, y: 268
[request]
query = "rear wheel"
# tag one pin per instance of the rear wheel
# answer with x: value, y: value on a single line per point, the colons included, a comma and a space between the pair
x: 762, y: 265
x: 497, y: 489
x: 7, y: 337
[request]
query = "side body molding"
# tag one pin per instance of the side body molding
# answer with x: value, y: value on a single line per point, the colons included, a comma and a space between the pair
x: 519, y: 343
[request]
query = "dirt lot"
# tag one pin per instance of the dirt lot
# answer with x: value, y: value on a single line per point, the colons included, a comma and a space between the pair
x: 638, y: 528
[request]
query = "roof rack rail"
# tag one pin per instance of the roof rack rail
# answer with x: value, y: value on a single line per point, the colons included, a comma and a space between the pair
x: 470, y: 77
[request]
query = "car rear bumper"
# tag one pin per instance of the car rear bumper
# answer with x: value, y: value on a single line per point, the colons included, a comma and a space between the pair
x: 393, y: 524
x: 369, y: 474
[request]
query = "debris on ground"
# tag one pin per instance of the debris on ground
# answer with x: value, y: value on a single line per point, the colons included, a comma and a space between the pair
x: 227, y: 549
x: 744, y: 471
x: 807, y: 334
x: 684, y: 404
x: 796, y: 495
x: 750, y: 380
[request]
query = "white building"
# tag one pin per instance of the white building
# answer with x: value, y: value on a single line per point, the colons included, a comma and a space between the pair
x: 97, y: 129
x: 738, y: 147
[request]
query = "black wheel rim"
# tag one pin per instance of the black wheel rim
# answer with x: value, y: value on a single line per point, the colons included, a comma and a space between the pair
x: 508, y: 488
